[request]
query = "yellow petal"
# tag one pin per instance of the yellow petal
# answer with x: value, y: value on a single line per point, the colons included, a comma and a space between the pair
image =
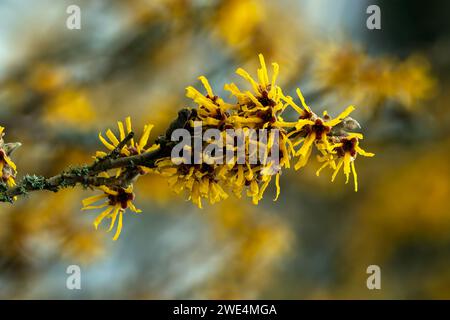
x: 103, y: 175
x: 100, y: 154
x: 207, y: 86
x: 11, y: 183
x: 106, y: 143
x: 93, y: 199
x: 119, y: 226
x: 326, y: 164
x: 244, y: 74
x: 302, y: 100
x: 355, y: 176
x: 254, y: 100
x: 291, y: 102
x: 363, y: 153
x: 277, y: 184
x: 129, y: 128
x: 276, y: 69
x: 302, y: 122
x: 112, y: 137
x: 233, y: 89
x: 95, y: 207
x: 307, y: 144
x: 264, y: 78
x: 153, y: 148
x: 352, y: 135
x: 101, y: 216
x: 108, y: 190
x: 340, y: 117
x: 263, y: 188
x: 338, y: 167
x: 10, y: 163
x: 121, y: 130
x: 129, y: 189
x: 113, y: 218
x: 144, y: 139
x: 347, y: 161
x: 133, y: 208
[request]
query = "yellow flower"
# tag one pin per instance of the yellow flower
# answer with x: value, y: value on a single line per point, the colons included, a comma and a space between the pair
x: 345, y: 153
x: 132, y: 147
x: 8, y: 169
x: 211, y: 109
x: 198, y: 181
x: 118, y: 199
x: 261, y: 107
x: 310, y: 129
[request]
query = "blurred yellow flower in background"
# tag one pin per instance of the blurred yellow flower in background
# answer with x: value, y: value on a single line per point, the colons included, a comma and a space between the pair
x: 370, y: 81
x: 238, y: 20
x: 256, y: 242
x: 70, y: 107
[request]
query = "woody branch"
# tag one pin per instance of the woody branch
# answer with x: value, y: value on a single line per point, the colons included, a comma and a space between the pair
x: 86, y: 175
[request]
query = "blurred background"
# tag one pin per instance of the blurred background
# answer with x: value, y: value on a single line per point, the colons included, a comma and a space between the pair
x: 60, y: 87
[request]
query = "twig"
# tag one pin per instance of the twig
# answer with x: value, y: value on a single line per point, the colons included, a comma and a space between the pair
x: 87, y: 175
x: 83, y: 175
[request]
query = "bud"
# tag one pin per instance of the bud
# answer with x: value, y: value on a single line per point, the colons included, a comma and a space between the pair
x: 11, y: 147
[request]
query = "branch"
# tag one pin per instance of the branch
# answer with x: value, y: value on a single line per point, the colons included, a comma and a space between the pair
x: 86, y: 175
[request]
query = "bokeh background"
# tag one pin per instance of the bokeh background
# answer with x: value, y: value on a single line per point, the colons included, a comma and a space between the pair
x: 60, y: 87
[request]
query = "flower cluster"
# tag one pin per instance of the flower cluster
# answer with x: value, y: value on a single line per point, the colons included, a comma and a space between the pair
x: 262, y: 107
x: 119, y: 198
x: 276, y: 131
x: 330, y: 137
